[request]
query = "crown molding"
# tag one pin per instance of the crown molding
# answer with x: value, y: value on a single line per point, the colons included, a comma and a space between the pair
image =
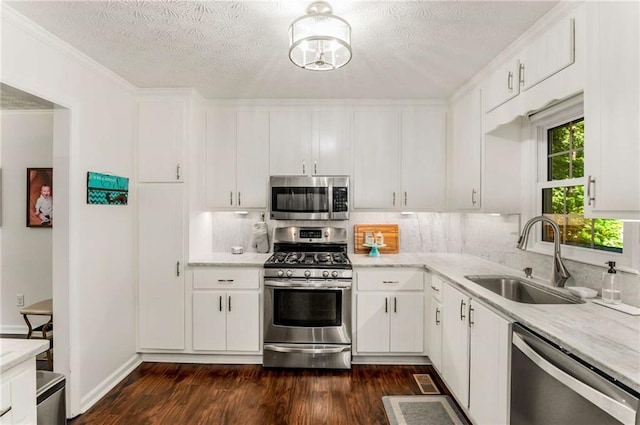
x: 13, y: 17
x: 315, y: 103
x: 563, y: 8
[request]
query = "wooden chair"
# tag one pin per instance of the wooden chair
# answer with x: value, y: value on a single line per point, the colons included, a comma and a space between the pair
x: 45, y: 331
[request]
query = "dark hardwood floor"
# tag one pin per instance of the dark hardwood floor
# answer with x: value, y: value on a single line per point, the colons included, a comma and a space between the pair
x: 172, y: 394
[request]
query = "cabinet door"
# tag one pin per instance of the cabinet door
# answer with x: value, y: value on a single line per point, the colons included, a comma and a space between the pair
x: 220, y: 163
x: 455, y: 343
x: 502, y: 85
x: 209, y: 320
x: 290, y: 143
x: 372, y: 320
x: 243, y: 321
x: 489, y: 366
x: 612, y: 108
x: 407, y: 322
x: 424, y: 157
x: 331, y: 143
x: 551, y: 52
x: 465, y: 150
x: 252, y: 169
x: 160, y: 141
x: 160, y: 266
x: 376, y: 144
x: 434, y: 334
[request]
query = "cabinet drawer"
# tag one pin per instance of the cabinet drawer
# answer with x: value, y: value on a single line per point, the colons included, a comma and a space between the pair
x: 436, y: 287
x: 390, y: 279
x: 227, y: 278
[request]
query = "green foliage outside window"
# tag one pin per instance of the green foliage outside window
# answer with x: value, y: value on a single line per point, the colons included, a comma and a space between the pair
x: 565, y: 204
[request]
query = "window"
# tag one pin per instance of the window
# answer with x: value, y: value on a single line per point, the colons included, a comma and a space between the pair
x: 564, y: 200
x: 559, y: 192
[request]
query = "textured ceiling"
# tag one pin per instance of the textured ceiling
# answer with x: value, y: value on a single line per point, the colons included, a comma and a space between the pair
x: 239, y: 49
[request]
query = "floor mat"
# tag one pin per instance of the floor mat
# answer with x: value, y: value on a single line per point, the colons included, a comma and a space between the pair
x: 422, y: 410
x: 425, y: 383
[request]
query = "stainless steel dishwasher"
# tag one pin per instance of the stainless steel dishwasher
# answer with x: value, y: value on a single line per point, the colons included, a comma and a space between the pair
x: 551, y: 386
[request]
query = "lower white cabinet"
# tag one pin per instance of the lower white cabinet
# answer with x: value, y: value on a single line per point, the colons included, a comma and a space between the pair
x: 434, y: 323
x: 390, y: 311
x: 226, y: 310
x: 18, y: 394
x: 475, y: 357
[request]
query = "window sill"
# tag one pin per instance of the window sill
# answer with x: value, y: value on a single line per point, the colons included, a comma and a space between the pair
x: 586, y: 256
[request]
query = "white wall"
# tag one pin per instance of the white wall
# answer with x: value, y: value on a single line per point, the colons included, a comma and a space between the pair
x: 94, y: 273
x: 26, y: 260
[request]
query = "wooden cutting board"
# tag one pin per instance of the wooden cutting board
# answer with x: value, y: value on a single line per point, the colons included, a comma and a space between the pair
x: 389, y: 232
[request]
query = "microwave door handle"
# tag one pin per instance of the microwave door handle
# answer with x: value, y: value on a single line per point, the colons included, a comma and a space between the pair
x: 331, y: 212
x: 621, y: 412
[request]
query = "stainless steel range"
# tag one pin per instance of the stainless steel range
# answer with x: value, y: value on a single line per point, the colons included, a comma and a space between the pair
x: 307, y: 299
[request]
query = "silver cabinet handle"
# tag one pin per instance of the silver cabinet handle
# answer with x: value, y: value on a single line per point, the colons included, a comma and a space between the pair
x: 510, y: 81
x: 5, y: 411
x: 229, y: 306
x: 405, y: 199
x: 315, y: 167
x: 395, y: 304
x: 304, y: 168
x: 521, y: 74
x: 225, y: 280
x: 437, y: 314
x: 390, y: 282
x: 462, y: 304
x: 394, y: 199
x: 473, y: 197
x: 386, y: 304
x: 177, y: 268
x: 239, y: 201
x: 231, y: 198
x: 435, y: 289
x: 177, y: 171
x: 220, y: 302
x: 470, y: 317
x: 590, y: 199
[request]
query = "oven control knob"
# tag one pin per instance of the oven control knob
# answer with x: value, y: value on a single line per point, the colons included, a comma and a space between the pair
x: 307, y: 273
x: 334, y: 273
x: 289, y: 273
x: 325, y: 274
x: 280, y: 273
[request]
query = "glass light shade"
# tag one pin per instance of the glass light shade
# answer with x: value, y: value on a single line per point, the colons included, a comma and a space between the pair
x: 320, y: 41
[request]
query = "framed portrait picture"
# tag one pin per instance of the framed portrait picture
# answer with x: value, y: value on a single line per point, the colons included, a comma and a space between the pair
x: 39, y: 197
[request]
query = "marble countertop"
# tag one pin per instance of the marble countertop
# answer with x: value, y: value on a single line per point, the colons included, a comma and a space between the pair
x: 15, y: 351
x: 605, y: 338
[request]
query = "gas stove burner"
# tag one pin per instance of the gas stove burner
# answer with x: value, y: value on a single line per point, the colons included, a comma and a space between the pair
x: 294, y: 258
x: 323, y: 257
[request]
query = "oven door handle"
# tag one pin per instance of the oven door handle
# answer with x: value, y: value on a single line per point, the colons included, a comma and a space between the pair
x: 331, y: 350
x: 307, y: 284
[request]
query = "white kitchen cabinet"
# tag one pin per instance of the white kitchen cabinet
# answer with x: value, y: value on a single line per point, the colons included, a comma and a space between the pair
x: 18, y: 394
x: 161, y: 300
x: 423, y: 159
x: 390, y: 311
x: 237, y: 145
x: 475, y: 357
x: 226, y: 310
x: 434, y: 323
x: 612, y: 108
x: 502, y: 85
x: 465, y: 144
x: 310, y: 142
x: 161, y: 140
x: 490, y: 345
x: 376, y: 159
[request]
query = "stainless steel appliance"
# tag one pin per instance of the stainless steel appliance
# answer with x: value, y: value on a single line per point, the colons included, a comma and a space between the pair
x: 307, y: 299
x: 551, y: 386
x: 309, y: 198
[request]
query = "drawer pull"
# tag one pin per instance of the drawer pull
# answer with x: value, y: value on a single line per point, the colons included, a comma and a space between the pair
x: 5, y: 411
x: 462, y: 315
x: 437, y: 314
x: 225, y: 280
x: 390, y: 282
x: 435, y: 289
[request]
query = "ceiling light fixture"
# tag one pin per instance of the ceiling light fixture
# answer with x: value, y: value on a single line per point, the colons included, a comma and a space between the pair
x: 320, y: 41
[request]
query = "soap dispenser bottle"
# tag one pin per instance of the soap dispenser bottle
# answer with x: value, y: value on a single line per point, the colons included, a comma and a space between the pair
x: 610, y: 292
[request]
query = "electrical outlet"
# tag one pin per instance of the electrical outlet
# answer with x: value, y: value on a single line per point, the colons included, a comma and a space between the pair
x: 20, y: 302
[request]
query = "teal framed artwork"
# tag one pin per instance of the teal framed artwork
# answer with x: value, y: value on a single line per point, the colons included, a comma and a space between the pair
x: 105, y: 189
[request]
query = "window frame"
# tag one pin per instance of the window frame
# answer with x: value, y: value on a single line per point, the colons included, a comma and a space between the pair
x: 539, y: 124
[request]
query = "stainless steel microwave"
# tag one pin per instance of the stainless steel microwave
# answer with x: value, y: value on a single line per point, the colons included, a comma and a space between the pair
x: 309, y: 198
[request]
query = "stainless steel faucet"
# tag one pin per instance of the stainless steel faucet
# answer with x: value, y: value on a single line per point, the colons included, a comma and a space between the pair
x: 560, y: 274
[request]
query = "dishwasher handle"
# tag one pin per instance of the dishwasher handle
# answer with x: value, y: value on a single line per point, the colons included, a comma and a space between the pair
x: 620, y: 411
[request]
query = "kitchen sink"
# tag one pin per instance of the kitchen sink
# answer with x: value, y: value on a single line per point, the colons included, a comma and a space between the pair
x: 516, y: 289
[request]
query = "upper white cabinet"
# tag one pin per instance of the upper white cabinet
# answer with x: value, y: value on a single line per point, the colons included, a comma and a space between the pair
x: 305, y: 142
x: 465, y: 144
x: 161, y: 299
x: 161, y: 140
x: 423, y: 159
x: 612, y: 108
x: 400, y: 159
x: 376, y: 136
x: 548, y: 54
x: 237, y: 148
x: 502, y: 85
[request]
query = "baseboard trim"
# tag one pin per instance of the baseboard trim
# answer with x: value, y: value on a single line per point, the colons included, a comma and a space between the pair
x: 201, y: 358
x: 391, y: 360
x: 108, y: 384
